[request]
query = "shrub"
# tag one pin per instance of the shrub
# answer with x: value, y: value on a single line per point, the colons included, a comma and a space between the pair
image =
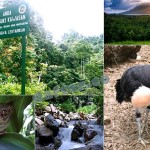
x: 89, y: 109
x: 68, y: 106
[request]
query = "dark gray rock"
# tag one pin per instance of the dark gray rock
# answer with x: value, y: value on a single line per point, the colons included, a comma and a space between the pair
x: 89, y: 134
x: 77, y: 132
x: 57, y: 142
x: 52, y: 124
x: 45, y: 135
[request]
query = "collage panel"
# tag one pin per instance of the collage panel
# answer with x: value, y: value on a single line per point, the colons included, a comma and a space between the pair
x: 127, y: 67
x: 50, y: 51
x: 16, y: 123
x: 69, y: 123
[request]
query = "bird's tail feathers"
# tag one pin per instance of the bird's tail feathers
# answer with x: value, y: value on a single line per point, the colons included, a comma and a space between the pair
x: 120, y: 95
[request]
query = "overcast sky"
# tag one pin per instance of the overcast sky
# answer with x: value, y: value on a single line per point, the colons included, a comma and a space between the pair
x: 83, y: 16
x: 116, y: 6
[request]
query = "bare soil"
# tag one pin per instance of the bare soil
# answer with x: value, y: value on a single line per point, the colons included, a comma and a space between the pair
x: 121, y: 130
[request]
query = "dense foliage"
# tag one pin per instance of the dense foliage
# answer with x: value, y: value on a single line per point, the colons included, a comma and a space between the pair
x: 126, y: 28
x: 75, y: 60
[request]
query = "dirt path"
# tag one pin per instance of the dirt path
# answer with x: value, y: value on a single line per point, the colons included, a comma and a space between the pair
x: 121, y: 133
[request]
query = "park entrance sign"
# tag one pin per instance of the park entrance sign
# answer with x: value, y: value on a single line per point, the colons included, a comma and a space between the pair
x: 14, y: 22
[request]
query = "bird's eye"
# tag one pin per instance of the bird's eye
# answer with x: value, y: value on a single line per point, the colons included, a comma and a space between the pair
x: 4, y: 113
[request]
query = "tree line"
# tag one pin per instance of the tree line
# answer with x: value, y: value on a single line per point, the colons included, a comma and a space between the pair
x: 120, y: 28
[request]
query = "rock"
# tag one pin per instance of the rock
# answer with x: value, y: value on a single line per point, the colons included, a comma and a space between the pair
x: 39, y: 122
x: 75, y: 135
x: 97, y: 140
x: 57, y: 142
x: 70, y: 115
x: 107, y: 120
x: 52, y: 124
x: 67, y: 118
x: 74, y: 116
x: 60, y: 113
x: 38, y: 111
x: 55, y: 115
x: 89, y: 134
x: 114, y: 54
x: 97, y: 128
x: 60, y: 117
x: 49, y: 147
x: 77, y: 132
x: 64, y: 124
x: 45, y: 135
x: 48, y: 109
x: 83, y: 116
x: 91, y: 116
x: 53, y: 108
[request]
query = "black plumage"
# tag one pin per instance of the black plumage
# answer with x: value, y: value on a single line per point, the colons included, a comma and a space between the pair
x: 131, y: 80
x: 134, y: 86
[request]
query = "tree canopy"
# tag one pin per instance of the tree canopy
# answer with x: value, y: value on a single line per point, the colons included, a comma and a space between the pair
x: 74, y: 59
x: 126, y: 28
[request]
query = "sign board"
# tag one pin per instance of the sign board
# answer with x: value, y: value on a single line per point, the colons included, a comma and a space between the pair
x: 14, y: 21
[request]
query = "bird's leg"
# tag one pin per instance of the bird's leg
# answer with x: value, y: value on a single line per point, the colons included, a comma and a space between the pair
x: 138, y: 120
x: 145, y: 123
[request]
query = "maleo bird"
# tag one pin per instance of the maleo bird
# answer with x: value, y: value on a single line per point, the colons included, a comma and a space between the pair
x: 134, y: 87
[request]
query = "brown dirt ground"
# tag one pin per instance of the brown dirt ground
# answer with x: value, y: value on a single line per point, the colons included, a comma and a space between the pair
x: 121, y: 133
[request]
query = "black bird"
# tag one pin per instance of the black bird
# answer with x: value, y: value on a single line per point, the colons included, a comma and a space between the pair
x: 134, y: 87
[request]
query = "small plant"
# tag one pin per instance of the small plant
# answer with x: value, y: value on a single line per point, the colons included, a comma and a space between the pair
x: 89, y: 109
x: 68, y: 106
x: 41, y: 105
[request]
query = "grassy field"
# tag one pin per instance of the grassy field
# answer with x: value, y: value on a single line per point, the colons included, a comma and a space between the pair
x: 130, y: 43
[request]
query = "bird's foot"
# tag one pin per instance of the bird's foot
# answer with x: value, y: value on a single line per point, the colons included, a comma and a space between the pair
x: 142, y: 141
x: 144, y: 127
x: 146, y: 130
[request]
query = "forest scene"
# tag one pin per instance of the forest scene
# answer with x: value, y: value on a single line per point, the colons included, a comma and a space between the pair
x: 64, y: 76
x: 127, y: 29
x: 72, y: 60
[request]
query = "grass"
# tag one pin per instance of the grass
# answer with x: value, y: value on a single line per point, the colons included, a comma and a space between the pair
x: 130, y: 43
